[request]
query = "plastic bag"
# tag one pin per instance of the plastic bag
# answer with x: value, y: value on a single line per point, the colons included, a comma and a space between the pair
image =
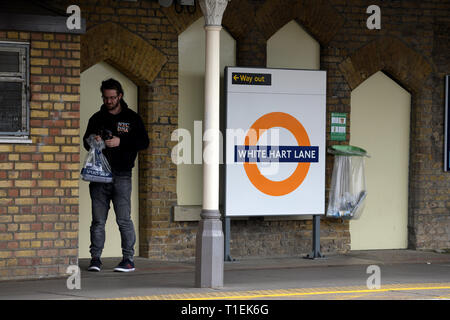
x: 348, y: 186
x: 96, y: 168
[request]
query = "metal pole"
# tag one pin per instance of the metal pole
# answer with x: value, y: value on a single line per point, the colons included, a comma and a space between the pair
x: 316, y: 239
x: 227, y: 235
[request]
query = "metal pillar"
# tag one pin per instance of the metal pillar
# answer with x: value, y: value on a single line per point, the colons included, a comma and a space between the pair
x: 316, y: 240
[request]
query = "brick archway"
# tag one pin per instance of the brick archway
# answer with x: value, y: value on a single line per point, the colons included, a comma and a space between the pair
x: 253, y: 25
x: 391, y: 56
x: 317, y: 16
x: 126, y: 51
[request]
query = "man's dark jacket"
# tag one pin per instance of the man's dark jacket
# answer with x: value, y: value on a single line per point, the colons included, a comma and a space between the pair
x: 128, y: 126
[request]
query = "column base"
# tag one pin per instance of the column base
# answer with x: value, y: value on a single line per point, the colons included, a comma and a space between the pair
x: 209, y: 264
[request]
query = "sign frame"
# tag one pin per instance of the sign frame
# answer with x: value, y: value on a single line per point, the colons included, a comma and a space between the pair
x: 248, y: 89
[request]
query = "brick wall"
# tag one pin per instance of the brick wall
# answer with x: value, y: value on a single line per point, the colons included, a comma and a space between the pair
x: 39, y: 181
x: 413, y: 49
x: 160, y: 236
x: 340, y: 27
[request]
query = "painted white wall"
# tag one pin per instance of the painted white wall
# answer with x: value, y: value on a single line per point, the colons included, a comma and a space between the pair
x: 380, y: 122
x: 292, y: 47
x: 90, y: 102
x: 191, y: 50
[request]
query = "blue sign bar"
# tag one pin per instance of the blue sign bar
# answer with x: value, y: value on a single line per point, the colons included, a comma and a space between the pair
x: 276, y: 154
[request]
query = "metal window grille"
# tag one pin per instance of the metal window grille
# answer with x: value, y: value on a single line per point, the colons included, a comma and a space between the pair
x: 14, y: 102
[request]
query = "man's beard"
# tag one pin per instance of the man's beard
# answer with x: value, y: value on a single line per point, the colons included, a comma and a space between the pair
x: 114, y: 106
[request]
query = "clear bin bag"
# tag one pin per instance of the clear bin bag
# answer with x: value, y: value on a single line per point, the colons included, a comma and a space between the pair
x: 348, y: 187
x: 96, y: 167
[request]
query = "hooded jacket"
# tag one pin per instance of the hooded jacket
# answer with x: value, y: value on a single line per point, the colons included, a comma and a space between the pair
x: 128, y: 126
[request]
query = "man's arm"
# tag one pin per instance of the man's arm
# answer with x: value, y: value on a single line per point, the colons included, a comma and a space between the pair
x: 91, y: 129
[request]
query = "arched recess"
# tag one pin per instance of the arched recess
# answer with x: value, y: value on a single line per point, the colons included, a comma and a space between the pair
x: 292, y: 47
x: 139, y: 61
x: 380, y: 123
x: 406, y: 67
x: 90, y: 102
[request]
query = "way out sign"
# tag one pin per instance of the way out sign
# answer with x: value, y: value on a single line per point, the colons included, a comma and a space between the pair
x: 275, y: 142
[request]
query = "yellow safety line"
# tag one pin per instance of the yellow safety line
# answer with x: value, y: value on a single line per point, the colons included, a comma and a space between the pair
x: 289, y: 292
x: 317, y: 293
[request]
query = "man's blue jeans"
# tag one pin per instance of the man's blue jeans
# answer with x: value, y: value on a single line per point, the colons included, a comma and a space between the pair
x: 119, y: 192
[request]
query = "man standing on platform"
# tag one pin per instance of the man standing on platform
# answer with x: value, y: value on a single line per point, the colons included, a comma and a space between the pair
x: 124, y: 134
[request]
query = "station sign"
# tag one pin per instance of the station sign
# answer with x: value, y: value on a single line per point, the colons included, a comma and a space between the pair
x: 275, y: 142
x: 253, y: 79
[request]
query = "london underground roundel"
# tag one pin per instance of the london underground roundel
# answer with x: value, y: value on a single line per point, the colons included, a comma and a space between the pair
x: 265, y: 185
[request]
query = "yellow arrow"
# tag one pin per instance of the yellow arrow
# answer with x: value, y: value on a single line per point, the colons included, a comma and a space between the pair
x: 235, y: 77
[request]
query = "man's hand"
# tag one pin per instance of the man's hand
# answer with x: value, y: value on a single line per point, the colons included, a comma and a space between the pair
x: 112, y: 143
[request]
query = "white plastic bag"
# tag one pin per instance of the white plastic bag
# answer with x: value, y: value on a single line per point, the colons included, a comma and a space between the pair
x: 348, y: 187
x: 96, y: 168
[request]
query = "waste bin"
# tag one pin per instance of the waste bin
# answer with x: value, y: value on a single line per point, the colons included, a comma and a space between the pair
x: 348, y: 185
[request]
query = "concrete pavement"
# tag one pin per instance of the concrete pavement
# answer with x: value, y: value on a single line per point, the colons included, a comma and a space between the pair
x: 341, y: 276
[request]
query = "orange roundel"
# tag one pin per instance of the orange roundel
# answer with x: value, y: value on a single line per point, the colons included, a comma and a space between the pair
x: 267, y: 186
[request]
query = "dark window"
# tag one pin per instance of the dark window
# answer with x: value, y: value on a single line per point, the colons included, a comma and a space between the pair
x: 14, y: 107
x: 9, y: 61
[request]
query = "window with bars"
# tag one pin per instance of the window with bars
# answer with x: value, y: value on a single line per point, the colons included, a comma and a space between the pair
x: 14, y: 102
